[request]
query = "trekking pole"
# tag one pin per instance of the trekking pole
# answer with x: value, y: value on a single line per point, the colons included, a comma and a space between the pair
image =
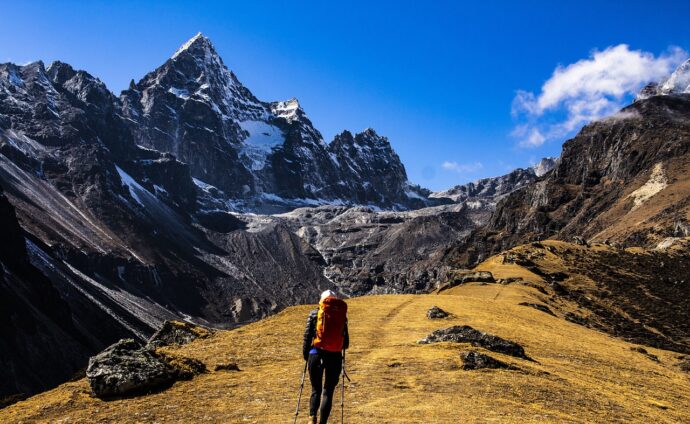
x: 342, y: 391
x: 301, y: 386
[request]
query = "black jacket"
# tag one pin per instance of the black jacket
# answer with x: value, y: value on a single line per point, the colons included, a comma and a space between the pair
x: 310, y: 333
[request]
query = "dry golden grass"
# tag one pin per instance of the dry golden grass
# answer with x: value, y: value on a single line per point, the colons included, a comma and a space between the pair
x: 580, y: 375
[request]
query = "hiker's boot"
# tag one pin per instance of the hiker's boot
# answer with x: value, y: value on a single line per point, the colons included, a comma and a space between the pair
x: 312, y: 419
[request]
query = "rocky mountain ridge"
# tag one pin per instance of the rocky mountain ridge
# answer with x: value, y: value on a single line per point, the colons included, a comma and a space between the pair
x: 259, y: 154
x: 488, y: 191
x: 621, y: 180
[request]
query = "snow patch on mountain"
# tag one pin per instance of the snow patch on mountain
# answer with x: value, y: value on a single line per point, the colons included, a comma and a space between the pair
x: 181, y: 93
x: 262, y: 138
x: 135, y: 189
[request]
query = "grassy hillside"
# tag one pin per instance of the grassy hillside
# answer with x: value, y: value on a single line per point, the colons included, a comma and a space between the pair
x: 579, y: 374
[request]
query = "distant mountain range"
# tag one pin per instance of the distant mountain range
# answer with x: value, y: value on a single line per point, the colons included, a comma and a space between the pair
x: 493, y: 189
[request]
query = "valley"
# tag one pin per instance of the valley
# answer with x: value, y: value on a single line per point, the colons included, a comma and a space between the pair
x: 188, y: 199
x: 576, y: 373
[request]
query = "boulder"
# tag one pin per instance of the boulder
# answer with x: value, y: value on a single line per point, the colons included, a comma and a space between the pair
x: 436, y: 313
x: 473, y: 360
x: 127, y: 367
x: 467, y: 334
x: 177, y: 333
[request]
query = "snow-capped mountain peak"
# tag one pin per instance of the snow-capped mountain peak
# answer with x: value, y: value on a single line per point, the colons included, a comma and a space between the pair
x: 545, y: 165
x: 199, y: 41
x: 194, y: 107
x: 677, y: 83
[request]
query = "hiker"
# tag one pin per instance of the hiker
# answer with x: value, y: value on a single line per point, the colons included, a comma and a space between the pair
x: 325, y: 338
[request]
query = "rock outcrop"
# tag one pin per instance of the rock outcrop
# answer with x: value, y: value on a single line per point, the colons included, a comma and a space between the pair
x: 473, y: 360
x: 125, y: 368
x: 467, y: 334
x: 436, y: 313
x: 128, y: 368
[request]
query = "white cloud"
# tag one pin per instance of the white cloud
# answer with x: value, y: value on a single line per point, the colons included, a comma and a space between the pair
x: 587, y: 90
x: 529, y: 136
x: 462, y: 168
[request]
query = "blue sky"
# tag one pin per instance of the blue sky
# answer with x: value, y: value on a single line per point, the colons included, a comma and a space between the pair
x: 456, y: 86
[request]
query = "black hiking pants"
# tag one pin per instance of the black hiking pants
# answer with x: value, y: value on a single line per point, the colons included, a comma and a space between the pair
x: 320, y: 363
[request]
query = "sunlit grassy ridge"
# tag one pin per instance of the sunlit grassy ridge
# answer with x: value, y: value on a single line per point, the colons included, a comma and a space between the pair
x: 578, y: 374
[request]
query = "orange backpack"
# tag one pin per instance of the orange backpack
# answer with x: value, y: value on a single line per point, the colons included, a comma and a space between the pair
x: 330, y: 324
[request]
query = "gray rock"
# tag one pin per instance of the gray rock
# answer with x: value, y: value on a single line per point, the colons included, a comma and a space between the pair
x: 126, y: 367
x: 467, y: 334
x: 436, y: 313
x: 474, y: 360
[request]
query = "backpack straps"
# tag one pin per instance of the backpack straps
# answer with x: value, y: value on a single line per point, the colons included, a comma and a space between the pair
x: 309, y: 333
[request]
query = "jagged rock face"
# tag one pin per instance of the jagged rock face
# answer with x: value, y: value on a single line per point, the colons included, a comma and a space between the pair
x: 40, y: 345
x: 545, y: 165
x: 368, y: 252
x: 64, y: 125
x: 190, y: 107
x: 264, y: 154
x: 379, y: 177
